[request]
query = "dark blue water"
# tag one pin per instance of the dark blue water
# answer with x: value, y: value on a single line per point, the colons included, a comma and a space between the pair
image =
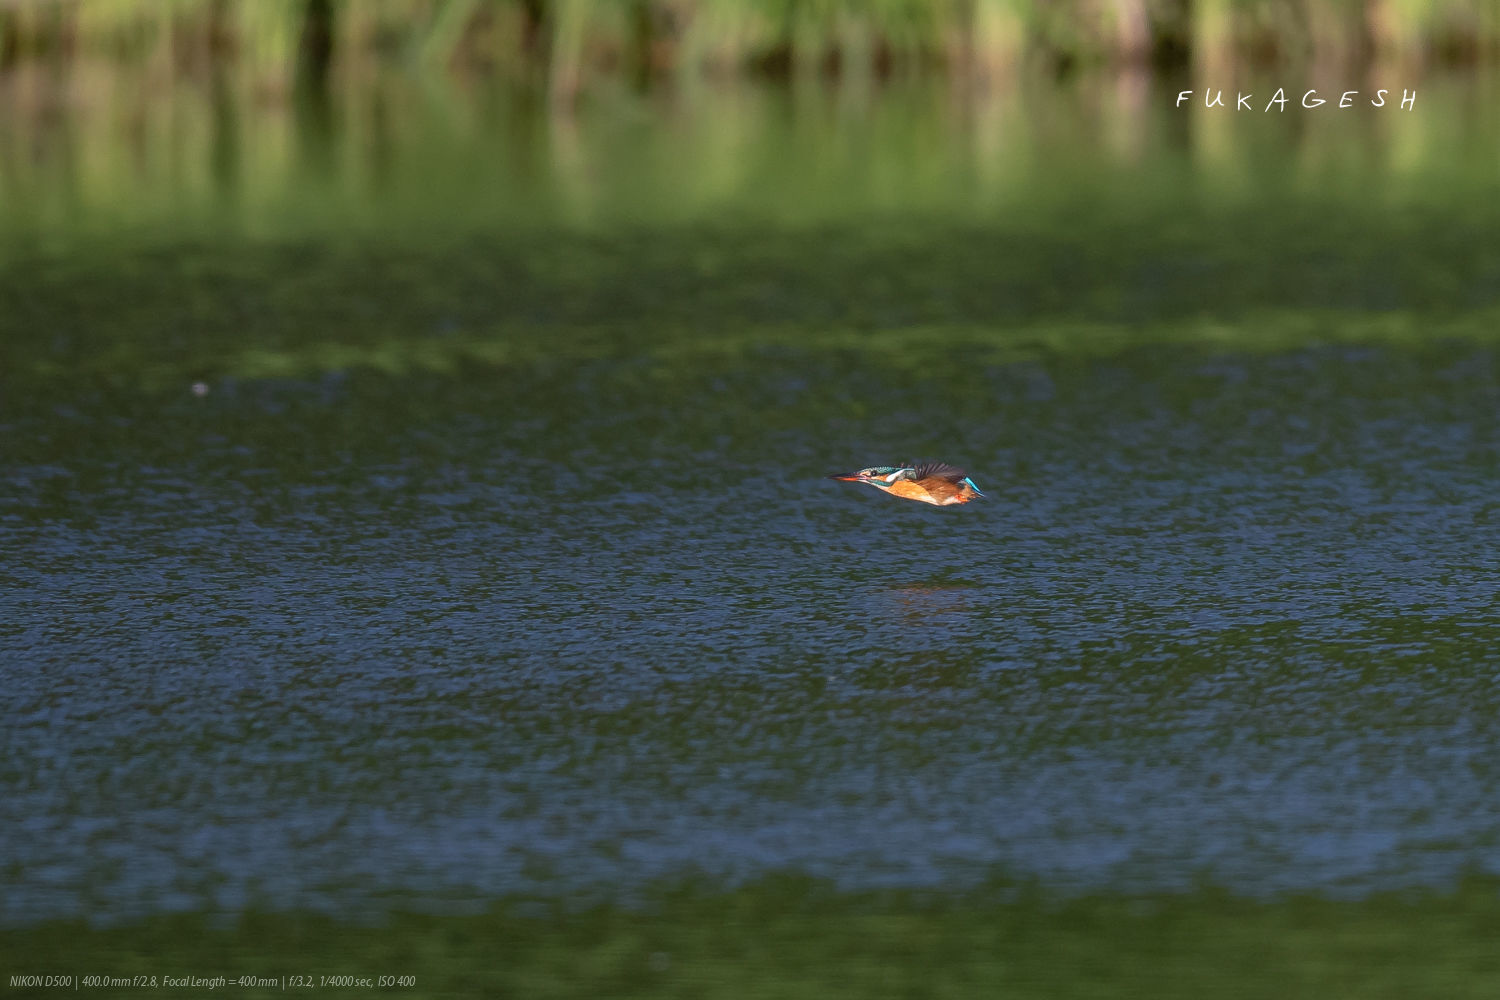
x: 577, y: 629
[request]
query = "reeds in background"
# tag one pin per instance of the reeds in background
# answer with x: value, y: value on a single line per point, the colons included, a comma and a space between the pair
x: 565, y: 44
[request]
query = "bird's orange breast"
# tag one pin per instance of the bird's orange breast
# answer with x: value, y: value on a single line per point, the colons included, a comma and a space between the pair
x: 938, y: 492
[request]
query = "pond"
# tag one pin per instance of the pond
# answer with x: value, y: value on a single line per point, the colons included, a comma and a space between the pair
x: 417, y: 502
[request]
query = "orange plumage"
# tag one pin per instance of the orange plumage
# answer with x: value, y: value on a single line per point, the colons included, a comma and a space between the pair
x: 935, y: 483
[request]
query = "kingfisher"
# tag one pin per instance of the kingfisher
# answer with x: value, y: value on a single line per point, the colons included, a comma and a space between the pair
x: 936, y: 483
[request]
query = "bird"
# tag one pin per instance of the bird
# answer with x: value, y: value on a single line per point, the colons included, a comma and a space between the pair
x: 936, y: 483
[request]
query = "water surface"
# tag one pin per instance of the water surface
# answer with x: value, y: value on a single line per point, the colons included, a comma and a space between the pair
x: 424, y: 566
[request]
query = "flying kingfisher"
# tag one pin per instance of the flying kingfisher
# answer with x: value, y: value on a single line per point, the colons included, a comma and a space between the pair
x: 930, y: 482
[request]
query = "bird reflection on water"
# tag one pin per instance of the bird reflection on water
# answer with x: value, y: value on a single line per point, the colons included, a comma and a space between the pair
x: 929, y: 598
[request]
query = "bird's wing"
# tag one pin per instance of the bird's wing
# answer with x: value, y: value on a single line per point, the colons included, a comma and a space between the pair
x: 939, y: 470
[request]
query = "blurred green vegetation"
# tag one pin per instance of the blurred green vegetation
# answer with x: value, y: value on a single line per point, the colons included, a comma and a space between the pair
x: 110, y: 156
x: 790, y: 938
x: 565, y: 42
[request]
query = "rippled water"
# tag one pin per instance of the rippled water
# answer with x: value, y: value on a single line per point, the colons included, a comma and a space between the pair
x: 421, y: 503
x: 364, y: 640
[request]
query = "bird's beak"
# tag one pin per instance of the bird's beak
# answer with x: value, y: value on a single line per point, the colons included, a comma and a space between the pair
x: 847, y: 479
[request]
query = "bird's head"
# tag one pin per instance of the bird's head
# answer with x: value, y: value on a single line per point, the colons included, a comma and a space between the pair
x: 882, y: 476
